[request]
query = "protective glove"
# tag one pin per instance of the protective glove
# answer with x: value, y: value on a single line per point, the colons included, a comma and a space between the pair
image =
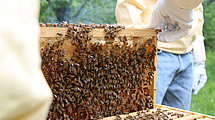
x: 171, y: 36
x: 200, y: 77
x: 171, y: 31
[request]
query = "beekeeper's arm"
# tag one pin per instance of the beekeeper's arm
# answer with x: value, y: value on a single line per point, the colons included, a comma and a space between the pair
x: 24, y: 92
x: 158, y: 15
x: 199, y: 57
x: 175, y: 22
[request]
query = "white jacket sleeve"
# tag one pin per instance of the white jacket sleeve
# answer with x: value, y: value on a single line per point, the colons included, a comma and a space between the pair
x: 157, y: 15
x: 199, y: 50
x: 170, y: 15
x: 24, y: 92
x: 198, y: 44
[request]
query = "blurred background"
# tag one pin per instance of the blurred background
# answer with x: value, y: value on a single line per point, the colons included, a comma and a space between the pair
x: 103, y: 12
x: 75, y: 11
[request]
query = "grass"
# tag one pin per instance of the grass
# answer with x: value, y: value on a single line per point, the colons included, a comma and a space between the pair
x: 204, y: 101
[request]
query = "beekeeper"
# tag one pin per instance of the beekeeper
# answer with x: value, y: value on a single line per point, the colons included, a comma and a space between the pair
x: 24, y: 92
x: 174, y: 57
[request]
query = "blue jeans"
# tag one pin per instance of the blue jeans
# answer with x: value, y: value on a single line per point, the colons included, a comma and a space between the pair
x: 174, y: 79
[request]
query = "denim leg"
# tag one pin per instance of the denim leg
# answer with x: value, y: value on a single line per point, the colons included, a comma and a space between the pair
x: 180, y: 90
x: 167, y: 66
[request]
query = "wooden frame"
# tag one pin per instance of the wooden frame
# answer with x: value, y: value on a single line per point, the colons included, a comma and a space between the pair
x: 48, y: 34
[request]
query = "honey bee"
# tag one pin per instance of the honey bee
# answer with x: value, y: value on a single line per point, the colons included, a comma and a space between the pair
x: 42, y: 24
x: 49, y: 24
x: 60, y: 34
x: 56, y: 24
x: 64, y: 24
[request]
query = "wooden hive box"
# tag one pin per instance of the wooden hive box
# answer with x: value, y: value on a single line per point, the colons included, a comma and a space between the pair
x: 93, y: 76
x: 161, y: 112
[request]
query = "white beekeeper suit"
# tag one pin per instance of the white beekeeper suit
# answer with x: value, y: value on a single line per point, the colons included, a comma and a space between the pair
x: 137, y: 14
x: 24, y: 92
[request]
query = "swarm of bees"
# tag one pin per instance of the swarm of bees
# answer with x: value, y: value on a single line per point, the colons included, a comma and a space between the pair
x: 98, y: 79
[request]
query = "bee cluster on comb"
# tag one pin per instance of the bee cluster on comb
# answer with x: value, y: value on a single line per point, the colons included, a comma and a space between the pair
x: 93, y: 78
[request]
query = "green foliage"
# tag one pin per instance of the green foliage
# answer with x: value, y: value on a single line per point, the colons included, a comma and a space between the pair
x: 209, y: 24
x: 74, y: 11
x: 46, y: 12
x: 204, y: 101
x: 98, y: 12
x: 207, y: 2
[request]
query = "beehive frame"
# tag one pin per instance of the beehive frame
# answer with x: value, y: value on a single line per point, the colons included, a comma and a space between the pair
x: 49, y: 35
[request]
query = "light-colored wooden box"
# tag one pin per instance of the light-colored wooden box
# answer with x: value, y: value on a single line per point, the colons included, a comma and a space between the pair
x: 187, y: 115
x: 139, y: 36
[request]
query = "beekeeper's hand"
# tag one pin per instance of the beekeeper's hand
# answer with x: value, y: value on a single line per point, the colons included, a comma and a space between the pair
x: 171, y: 32
x: 200, y: 77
